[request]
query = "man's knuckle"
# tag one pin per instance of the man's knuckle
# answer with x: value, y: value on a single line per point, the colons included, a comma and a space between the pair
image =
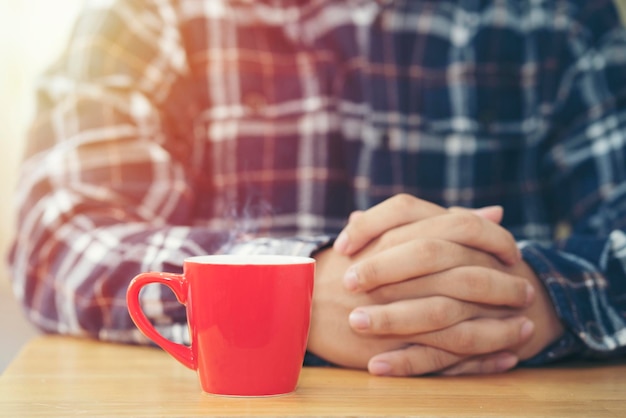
x: 521, y: 292
x: 406, y: 366
x: 403, y: 203
x: 385, y: 241
x: 427, y: 249
x: 384, y: 322
x: 466, y: 342
x: 439, y: 360
x: 438, y: 315
x: 368, y: 273
x: 477, y: 281
x: 509, y: 237
x: 357, y: 227
x: 468, y: 224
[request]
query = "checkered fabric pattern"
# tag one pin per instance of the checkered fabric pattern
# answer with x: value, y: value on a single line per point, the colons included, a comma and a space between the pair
x: 173, y: 128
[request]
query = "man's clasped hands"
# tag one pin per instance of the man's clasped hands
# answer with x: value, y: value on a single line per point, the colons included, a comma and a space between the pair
x: 426, y: 289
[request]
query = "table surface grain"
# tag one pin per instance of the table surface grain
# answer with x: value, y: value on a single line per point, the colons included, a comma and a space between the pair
x: 63, y: 377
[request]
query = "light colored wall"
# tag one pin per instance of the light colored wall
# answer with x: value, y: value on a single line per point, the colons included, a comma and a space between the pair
x: 31, y: 33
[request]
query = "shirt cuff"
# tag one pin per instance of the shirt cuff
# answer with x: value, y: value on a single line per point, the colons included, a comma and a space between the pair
x: 569, y: 344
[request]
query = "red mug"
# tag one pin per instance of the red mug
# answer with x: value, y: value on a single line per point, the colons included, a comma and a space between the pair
x: 248, y: 319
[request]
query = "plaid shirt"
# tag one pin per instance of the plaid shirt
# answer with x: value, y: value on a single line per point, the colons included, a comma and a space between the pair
x: 173, y: 128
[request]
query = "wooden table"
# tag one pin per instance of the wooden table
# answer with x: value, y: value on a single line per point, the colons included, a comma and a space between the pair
x: 65, y: 377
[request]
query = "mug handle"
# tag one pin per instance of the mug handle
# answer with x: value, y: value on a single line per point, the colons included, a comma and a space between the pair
x: 178, y: 285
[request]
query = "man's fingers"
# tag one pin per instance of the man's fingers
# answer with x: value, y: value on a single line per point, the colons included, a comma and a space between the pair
x: 416, y: 360
x: 401, y: 209
x: 487, y: 364
x: 393, y: 212
x: 462, y: 226
x: 491, y: 213
x: 413, y: 360
x: 410, y: 317
x: 415, y: 258
x: 479, y: 336
x: 468, y: 283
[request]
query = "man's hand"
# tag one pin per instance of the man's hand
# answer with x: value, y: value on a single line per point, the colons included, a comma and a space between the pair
x: 332, y: 337
x: 446, y: 288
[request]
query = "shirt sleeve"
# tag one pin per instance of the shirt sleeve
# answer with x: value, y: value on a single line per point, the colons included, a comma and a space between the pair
x: 106, y: 190
x: 584, y: 270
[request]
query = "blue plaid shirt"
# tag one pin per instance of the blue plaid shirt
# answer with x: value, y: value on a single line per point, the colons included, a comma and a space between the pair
x: 177, y: 128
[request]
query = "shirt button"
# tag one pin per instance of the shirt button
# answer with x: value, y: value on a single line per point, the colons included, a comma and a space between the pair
x: 254, y: 101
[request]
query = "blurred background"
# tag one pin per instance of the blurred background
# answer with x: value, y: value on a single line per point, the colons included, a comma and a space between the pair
x: 32, y: 32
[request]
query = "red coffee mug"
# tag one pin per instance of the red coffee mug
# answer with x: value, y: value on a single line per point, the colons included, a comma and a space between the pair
x: 248, y: 318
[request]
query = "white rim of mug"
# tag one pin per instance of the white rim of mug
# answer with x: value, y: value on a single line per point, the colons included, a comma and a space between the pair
x: 251, y: 259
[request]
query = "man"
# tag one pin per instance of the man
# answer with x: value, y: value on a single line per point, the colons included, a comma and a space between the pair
x: 177, y: 128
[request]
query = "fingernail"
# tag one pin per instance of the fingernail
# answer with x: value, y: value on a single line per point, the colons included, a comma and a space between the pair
x: 527, y: 329
x: 351, y: 279
x: 493, y: 213
x: 341, y: 243
x: 530, y: 294
x: 487, y: 209
x: 505, y: 362
x: 359, y: 320
x: 380, y: 368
